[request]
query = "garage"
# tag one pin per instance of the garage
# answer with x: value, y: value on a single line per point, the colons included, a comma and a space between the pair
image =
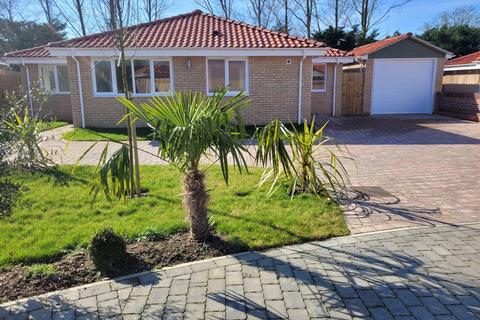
x: 397, y: 75
x: 403, y: 86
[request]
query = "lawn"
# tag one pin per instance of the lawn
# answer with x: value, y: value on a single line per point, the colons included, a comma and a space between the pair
x: 49, y: 125
x: 55, y: 215
x: 98, y: 134
x: 120, y: 134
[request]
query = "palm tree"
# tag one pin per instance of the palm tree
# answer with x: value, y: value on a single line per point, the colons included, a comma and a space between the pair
x: 188, y: 127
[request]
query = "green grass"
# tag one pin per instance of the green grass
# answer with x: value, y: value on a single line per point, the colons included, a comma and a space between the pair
x: 55, y: 214
x: 49, y: 125
x: 120, y: 134
x: 99, y: 134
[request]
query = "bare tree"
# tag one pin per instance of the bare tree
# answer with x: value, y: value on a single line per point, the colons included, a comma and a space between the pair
x: 223, y: 8
x: 466, y: 15
x: 281, y: 14
x: 73, y: 12
x: 333, y: 13
x: 373, y: 12
x: 261, y: 11
x: 9, y: 8
x: 304, y: 12
x: 153, y: 9
x: 47, y: 7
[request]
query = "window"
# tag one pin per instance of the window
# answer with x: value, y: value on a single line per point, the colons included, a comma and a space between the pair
x: 227, y: 72
x: 144, y: 77
x: 103, y: 76
x: 54, y: 78
x: 118, y: 74
x: 141, y: 69
x: 319, y: 77
x: 161, y: 74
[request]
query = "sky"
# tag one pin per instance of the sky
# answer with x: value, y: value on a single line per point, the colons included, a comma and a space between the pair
x: 410, y: 18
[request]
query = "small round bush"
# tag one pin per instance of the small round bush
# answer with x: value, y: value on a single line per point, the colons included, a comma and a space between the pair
x: 107, y: 250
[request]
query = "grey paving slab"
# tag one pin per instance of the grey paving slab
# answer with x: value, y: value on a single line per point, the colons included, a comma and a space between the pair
x: 346, y: 278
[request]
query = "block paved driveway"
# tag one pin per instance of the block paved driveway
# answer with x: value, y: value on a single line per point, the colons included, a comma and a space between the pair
x: 410, y: 170
x: 417, y: 273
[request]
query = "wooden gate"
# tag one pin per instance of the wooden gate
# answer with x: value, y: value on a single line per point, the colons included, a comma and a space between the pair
x: 352, y: 92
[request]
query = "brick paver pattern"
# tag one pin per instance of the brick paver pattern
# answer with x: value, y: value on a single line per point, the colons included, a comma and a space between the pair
x: 417, y: 273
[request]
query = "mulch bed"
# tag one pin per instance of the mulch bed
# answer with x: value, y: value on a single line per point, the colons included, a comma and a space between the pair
x: 75, y: 269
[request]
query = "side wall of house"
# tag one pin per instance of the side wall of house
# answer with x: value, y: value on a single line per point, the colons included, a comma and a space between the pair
x: 58, y: 106
x: 272, y: 83
x: 322, y: 102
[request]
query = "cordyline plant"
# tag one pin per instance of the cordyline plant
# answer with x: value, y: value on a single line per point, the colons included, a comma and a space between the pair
x: 189, y: 127
x: 299, y: 159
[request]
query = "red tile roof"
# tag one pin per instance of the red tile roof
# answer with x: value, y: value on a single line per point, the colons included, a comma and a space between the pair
x: 468, y: 59
x: 332, y: 52
x: 375, y: 46
x: 194, y: 30
x: 37, y: 52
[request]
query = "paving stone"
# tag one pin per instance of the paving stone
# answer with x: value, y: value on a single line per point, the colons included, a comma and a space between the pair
x: 153, y: 311
x: 86, y: 305
x: 107, y: 296
x: 252, y: 285
x: 195, y: 311
x: 215, y: 302
x: 380, y: 313
x: 462, y: 312
x: 215, y: 315
x: 175, y: 304
x: 407, y: 297
x: 41, y: 314
x: 420, y: 312
x: 135, y: 305
x: 109, y: 308
x: 197, y: 295
x: 434, y: 305
x: 298, y: 314
x: 272, y: 292
x: 141, y: 290
x: 395, y: 307
x: 356, y: 307
x: 316, y: 308
x: 258, y: 314
x: 369, y: 298
x: 471, y: 303
x: 158, y: 295
x: 293, y: 300
x: 94, y: 290
x: 276, y: 309
x: 63, y: 315
x: 254, y: 300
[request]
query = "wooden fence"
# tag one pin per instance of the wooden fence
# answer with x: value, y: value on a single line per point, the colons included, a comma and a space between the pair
x: 9, y: 81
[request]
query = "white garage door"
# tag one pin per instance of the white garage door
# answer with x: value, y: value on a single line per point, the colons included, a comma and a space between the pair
x: 403, y: 86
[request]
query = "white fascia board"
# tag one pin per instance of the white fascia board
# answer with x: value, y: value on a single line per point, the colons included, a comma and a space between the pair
x: 462, y: 67
x: 46, y: 60
x: 333, y: 60
x: 187, y: 52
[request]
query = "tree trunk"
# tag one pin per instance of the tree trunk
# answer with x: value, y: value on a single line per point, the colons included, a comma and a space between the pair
x: 195, y: 201
x: 79, y: 8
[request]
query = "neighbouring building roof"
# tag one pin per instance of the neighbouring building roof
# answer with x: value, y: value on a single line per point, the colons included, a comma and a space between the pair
x: 375, y: 46
x: 468, y: 59
x: 37, y: 52
x: 379, y: 45
x: 332, y: 52
x: 192, y: 30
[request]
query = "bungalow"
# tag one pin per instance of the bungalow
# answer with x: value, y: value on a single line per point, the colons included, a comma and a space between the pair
x: 287, y: 77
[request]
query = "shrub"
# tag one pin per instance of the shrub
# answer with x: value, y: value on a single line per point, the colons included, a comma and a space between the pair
x: 40, y: 270
x: 107, y: 250
x: 9, y: 195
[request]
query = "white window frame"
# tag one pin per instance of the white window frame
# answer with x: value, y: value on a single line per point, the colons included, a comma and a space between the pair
x: 56, y: 90
x: 226, y: 76
x: 326, y: 75
x: 115, y: 93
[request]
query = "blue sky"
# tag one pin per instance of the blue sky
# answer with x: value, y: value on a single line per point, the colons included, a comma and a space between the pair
x: 410, y: 18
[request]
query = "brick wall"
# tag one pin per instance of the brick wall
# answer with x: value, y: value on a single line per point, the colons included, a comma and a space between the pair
x: 273, y: 89
x: 322, y: 102
x: 58, y: 106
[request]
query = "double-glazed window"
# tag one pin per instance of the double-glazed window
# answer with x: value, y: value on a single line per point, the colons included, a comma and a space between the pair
x: 319, y: 76
x: 144, y: 77
x: 227, y: 72
x: 54, y: 78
